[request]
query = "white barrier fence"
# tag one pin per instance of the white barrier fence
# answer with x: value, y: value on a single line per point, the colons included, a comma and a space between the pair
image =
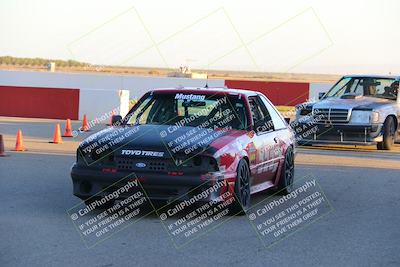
x: 99, y: 93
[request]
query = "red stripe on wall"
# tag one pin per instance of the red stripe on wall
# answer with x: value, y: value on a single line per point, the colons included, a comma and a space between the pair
x: 36, y: 102
x: 280, y: 93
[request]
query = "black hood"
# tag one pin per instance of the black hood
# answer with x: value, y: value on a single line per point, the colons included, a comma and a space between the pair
x: 150, y: 141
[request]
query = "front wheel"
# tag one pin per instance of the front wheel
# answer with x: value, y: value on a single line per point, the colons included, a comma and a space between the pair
x: 389, y: 135
x: 285, y: 185
x: 242, y: 189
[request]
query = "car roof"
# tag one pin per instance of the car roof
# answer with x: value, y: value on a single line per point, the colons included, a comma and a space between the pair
x: 207, y: 90
x: 373, y: 76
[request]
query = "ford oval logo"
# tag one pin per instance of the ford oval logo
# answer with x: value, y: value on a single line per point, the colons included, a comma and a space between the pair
x: 140, y: 165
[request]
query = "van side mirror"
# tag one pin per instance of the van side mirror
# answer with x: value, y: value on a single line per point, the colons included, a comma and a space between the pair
x: 321, y: 95
x: 116, y: 120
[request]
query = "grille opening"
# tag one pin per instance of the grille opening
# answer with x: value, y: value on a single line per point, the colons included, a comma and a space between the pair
x: 157, y: 166
x: 194, y: 165
x: 334, y: 114
x: 146, y: 164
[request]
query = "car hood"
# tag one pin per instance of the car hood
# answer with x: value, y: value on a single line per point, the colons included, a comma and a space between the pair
x: 155, y: 141
x: 363, y: 102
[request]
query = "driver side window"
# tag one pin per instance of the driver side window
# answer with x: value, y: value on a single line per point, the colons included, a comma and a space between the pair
x: 261, y: 117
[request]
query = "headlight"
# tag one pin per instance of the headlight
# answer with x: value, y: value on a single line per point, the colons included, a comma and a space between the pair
x: 305, y: 111
x: 374, y: 116
x: 361, y: 116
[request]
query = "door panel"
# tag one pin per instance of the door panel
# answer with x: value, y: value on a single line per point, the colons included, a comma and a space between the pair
x: 265, y: 142
x: 263, y: 170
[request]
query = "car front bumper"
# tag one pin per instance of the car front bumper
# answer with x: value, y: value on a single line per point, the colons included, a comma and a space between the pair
x: 88, y: 182
x: 346, y: 134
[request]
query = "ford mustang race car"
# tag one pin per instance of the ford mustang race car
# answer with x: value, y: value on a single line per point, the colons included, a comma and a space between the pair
x: 175, y: 140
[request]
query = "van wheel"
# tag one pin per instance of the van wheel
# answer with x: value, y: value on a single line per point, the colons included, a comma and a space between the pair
x: 389, y: 135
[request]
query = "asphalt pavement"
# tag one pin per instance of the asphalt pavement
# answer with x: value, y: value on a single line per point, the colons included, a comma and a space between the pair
x: 361, y: 228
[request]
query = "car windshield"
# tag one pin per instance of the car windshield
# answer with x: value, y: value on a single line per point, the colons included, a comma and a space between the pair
x: 365, y: 86
x: 187, y: 109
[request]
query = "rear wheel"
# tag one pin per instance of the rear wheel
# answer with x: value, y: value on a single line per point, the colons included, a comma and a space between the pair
x: 389, y: 135
x: 286, y: 179
x: 242, y: 188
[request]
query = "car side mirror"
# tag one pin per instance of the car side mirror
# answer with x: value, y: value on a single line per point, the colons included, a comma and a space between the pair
x: 321, y: 95
x: 116, y: 120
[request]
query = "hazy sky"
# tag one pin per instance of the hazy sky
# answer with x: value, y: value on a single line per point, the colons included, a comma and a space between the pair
x: 278, y: 36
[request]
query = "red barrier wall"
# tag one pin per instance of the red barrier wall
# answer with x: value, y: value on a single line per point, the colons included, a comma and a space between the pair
x: 280, y: 93
x: 35, y: 102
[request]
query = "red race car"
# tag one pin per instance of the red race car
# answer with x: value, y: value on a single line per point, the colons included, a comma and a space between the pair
x: 178, y: 140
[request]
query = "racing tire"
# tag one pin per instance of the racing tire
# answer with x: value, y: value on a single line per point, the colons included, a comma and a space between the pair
x: 242, y: 189
x: 285, y: 184
x: 105, y: 206
x: 389, y: 135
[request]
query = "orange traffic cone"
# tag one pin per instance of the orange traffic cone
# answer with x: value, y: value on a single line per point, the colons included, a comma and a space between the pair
x: 57, y: 135
x: 19, y: 145
x: 85, y: 125
x: 68, y: 129
x: 2, y: 147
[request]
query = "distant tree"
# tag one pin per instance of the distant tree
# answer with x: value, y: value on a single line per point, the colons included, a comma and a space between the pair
x: 40, y: 62
x: 7, y: 60
x: 29, y: 61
